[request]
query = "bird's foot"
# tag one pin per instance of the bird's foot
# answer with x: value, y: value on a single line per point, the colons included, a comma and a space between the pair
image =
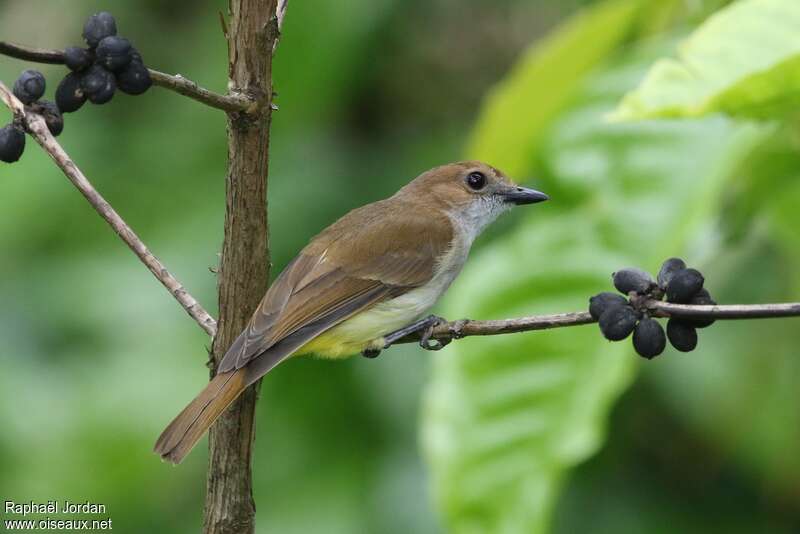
x: 425, y: 340
x: 371, y: 353
x: 425, y: 326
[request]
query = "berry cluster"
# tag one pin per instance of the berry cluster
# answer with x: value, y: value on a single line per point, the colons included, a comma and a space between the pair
x: 619, y: 316
x: 109, y: 63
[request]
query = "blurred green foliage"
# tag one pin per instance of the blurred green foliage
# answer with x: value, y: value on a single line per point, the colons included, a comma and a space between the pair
x: 745, y: 61
x: 518, y: 431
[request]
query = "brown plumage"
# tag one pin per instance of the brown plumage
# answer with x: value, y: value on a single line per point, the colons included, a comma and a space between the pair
x: 188, y: 427
x: 372, y: 255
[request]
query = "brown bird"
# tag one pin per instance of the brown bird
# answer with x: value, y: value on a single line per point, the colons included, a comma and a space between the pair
x: 359, y: 285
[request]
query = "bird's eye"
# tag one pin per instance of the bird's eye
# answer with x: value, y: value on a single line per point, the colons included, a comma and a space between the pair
x: 476, y: 180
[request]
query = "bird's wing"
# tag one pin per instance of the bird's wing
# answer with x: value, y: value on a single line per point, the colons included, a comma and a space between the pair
x: 357, y: 262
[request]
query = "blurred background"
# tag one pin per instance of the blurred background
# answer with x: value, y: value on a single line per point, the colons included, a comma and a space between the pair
x: 540, y: 432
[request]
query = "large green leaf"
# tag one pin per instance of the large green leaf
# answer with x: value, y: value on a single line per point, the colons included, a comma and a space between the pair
x: 735, y: 375
x: 743, y: 61
x: 543, y: 81
x: 506, y: 417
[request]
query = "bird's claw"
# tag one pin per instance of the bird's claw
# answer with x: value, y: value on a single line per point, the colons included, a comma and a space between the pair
x: 425, y: 338
x: 371, y: 353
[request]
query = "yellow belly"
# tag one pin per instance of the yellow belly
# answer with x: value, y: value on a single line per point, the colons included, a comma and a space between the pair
x: 366, y: 329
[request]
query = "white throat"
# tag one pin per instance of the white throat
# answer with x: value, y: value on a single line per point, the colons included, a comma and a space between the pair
x: 471, y: 220
x: 468, y: 223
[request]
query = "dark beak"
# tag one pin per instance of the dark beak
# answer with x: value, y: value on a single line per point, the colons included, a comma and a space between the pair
x: 523, y: 195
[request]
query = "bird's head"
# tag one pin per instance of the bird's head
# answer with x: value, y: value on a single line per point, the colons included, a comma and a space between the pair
x: 471, y: 192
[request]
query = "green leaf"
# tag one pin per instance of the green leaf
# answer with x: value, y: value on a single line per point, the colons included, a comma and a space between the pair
x: 745, y: 371
x: 743, y: 61
x: 506, y: 417
x: 543, y: 82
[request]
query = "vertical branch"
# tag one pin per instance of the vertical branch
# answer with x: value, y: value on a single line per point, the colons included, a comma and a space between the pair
x: 245, y: 258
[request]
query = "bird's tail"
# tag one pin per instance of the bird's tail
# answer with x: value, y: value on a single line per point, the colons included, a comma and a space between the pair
x: 188, y: 427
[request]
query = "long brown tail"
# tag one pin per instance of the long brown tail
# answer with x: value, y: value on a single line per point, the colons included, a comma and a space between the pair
x: 188, y: 427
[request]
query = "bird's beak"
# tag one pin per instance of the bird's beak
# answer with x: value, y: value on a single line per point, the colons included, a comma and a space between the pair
x: 523, y: 195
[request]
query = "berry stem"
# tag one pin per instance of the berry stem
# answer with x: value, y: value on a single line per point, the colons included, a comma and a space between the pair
x: 231, y: 103
x: 28, y: 53
x: 725, y: 311
x: 467, y: 327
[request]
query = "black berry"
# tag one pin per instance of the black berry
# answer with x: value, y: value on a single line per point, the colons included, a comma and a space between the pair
x: 30, y: 86
x: 98, y: 84
x: 684, y: 285
x: 134, y: 79
x: 682, y: 335
x: 668, y: 270
x: 98, y: 27
x: 648, y: 338
x: 633, y: 279
x: 77, y: 58
x: 114, y: 53
x: 702, y: 298
x: 69, y: 93
x: 617, y: 322
x: 603, y: 301
x: 12, y: 143
x: 52, y: 116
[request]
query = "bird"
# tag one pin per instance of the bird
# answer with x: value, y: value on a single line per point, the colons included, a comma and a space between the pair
x: 361, y: 283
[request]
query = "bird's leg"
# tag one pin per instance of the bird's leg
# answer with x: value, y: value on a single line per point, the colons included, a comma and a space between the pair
x: 425, y: 326
x: 413, y: 328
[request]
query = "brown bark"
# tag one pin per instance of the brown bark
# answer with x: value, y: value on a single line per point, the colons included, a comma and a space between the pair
x: 245, y: 259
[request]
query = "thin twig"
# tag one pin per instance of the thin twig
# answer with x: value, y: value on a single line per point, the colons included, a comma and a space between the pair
x: 38, y: 129
x: 280, y: 14
x: 230, y: 103
x: 469, y: 327
x: 451, y: 330
x: 29, y: 53
x: 728, y: 311
x: 186, y: 87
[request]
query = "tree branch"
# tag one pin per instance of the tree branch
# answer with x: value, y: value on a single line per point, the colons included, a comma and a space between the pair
x: 28, y: 53
x: 468, y: 327
x: 448, y: 331
x: 727, y: 311
x: 230, y: 103
x: 252, y: 31
x: 38, y: 130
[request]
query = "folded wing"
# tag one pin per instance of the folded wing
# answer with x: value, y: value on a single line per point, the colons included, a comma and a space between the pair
x: 357, y: 262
